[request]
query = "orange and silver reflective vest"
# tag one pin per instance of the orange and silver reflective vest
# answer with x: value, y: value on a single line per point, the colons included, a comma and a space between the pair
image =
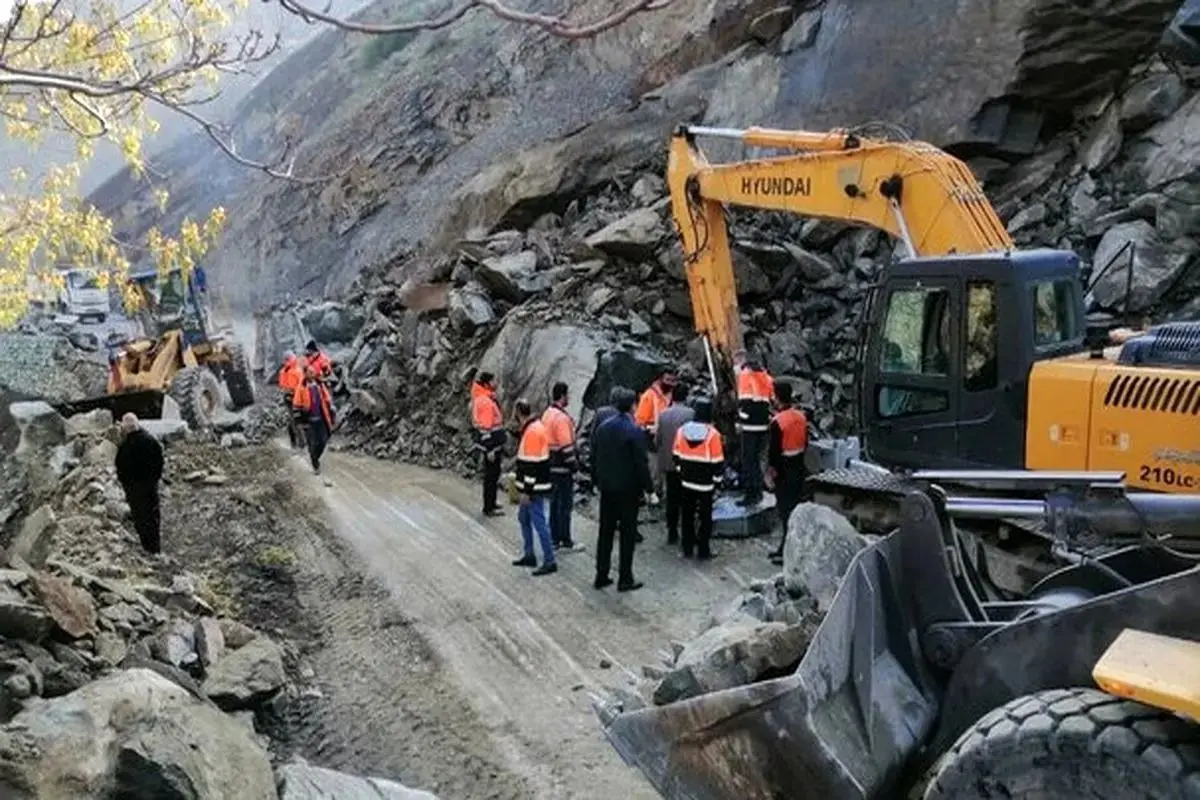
x: 699, y: 456
x: 315, y: 401
x: 533, y: 459
x: 754, y: 391
x: 291, y: 375
x: 560, y: 429
x: 788, y: 441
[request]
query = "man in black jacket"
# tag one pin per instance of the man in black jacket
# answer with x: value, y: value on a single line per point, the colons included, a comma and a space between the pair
x: 621, y: 471
x: 139, y: 465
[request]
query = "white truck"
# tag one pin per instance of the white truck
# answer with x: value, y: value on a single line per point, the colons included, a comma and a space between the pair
x: 83, y: 295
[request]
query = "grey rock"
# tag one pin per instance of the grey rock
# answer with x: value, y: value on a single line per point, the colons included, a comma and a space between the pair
x: 210, y: 641
x: 803, y: 32
x: 40, y: 426
x: 819, y: 547
x: 1151, y: 100
x: 528, y: 357
x: 246, y: 676
x: 770, y: 25
x: 1156, y: 266
x: 600, y: 297
x: 90, y: 423
x: 635, y: 236
x: 648, y: 189
x: 299, y: 781
x: 751, y: 280
x: 638, y: 326
x: 131, y: 734
x: 733, y: 654
x: 1104, y: 142
x: 1170, y: 150
x: 470, y: 310
x: 20, y: 619
x: 331, y: 322
x: 1178, y: 210
x: 1033, y: 214
x: 166, y: 430
x: 170, y: 410
x: 36, y: 537
x: 1083, y: 204
x: 110, y: 648
x: 235, y: 633
x: 102, y: 453
x: 813, y: 268
x: 176, y: 644
x: 510, y: 276
x: 234, y: 440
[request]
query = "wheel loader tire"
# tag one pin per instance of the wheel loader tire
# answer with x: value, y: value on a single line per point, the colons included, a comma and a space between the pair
x: 1072, y: 744
x: 198, y: 393
x: 237, y: 377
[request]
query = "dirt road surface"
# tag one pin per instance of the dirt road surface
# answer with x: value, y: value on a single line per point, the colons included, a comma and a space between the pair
x: 523, y: 654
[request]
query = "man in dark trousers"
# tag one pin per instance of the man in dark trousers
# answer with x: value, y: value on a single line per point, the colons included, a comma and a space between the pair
x: 669, y: 423
x: 139, y: 465
x: 621, y: 471
x: 313, y: 400
x: 787, y: 444
x: 487, y: 427
x: 561, y: 430
x: 755, y: 390
x: 700, y: 458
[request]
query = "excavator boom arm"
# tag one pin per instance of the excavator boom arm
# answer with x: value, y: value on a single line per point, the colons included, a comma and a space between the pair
x: 911, y: 190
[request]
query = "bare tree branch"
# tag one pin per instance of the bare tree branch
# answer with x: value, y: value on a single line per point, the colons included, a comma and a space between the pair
x: 555, y: 26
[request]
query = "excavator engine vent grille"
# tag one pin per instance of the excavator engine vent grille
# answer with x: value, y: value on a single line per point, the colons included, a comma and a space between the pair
x: 1148, y: 393
x: 1175, y: 344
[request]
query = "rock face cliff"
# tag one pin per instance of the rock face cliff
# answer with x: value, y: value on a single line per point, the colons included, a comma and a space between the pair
x: 427, y: 129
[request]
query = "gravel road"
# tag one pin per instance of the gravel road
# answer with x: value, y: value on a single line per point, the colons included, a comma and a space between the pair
x: 492, y: 669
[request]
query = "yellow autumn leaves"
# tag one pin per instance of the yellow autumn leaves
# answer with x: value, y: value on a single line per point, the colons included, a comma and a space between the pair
x: 88, y: 69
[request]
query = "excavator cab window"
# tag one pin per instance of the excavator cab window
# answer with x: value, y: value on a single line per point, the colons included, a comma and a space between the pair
x: 1055, y: 322
x: 981, y: 355
x: 916, y: 342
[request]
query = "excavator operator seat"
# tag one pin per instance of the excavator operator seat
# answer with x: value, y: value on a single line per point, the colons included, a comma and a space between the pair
x: 947, y: 352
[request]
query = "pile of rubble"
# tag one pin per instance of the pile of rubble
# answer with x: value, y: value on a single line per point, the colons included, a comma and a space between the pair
x: 593, y: 292
x: 764, y: 632
x: 122, y: 671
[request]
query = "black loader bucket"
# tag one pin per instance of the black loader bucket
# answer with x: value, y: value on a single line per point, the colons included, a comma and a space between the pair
x: 841, y: 727
x: 147, y: 404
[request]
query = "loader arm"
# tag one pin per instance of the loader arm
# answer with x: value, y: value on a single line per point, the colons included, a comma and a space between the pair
x: 911, y: 190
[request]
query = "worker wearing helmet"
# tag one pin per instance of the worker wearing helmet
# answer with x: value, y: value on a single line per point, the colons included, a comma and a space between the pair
x: 700, y: 458
x: 313, y: 400
x: 291, y: 375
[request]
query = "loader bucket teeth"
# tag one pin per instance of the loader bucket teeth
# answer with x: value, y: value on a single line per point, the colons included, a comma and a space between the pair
x: 839, y: 727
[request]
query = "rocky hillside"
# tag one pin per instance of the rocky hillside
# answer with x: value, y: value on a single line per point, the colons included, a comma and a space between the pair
x: 415, y: 127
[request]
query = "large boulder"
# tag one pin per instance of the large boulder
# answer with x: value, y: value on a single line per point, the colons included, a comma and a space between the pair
x: 246, y: 676
x: 1156, y: 265
x: 131, y: 734
x: 528, y: 357
x: 1169, y: 150
x: 50, y: 367
x: 40, y: 426
x: 817, y: 552
x: 301, y: 781
x: 1035, y: 54
x: 331, y: 323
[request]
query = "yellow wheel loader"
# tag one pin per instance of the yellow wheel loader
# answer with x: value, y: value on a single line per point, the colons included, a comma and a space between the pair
x: 179, y: 355
x: 917, y: 686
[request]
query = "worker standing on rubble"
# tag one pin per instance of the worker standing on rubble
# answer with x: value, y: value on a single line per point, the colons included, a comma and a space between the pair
x: 700, y: 458
x: 561, y: 430
x: 669, y: 423
x: 653, y: 402
x: 755, y: 389
x: 533, y: 483
x: 487, y: 424
x: 291, y: 375
x: 621, y: 471
x: 786, y: 448
x: 314, y: 402
x: 139, y: 464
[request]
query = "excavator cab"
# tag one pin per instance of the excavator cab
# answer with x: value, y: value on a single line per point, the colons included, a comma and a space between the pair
x: 949, y: 344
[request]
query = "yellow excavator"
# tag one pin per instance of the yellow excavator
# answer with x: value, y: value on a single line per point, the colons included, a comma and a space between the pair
x: 924, y: 679
x: 973, y: 355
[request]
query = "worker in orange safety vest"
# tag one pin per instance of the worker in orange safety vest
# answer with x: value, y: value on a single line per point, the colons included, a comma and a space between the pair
x: 653, y: 402
x: 313, y: 400
x: 291, y: 375
x: 313, y: 357
x: 700, y: 458
x: 755, y: 391
x: 787, y: 446
x: 561, y: 430
x: 487, y: 425
x: 533, y: 483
